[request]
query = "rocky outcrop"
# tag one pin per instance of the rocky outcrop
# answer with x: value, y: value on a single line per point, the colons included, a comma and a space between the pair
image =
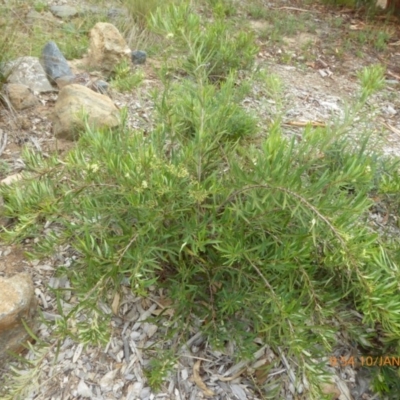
x: 107, y: 47
x: 74, y: 103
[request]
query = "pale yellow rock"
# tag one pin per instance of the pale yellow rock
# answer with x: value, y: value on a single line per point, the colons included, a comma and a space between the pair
x: 11, y: 178
x: 74, y: 103
x: 17, y: 303
x: 107, y: 47
x: 20, y: 96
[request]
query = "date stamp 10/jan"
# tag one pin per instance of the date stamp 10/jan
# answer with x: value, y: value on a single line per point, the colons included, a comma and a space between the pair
x: 365, y: 361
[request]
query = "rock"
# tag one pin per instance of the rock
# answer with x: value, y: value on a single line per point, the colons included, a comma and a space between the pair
x: 20, y: 96
x: 17, y: 302
x: 74, y: 100
x: 138, y: 57
x: 64, y: 81
x: 37, y: 18
x: 95, y: 10
x: 100, y: 86
x: 64, y: 11
x: 11, y: 178
x: 84, y: 79
x: 54, y: 62
x: 107, y: 47
x: 115, y: 13
x: 27, y: 71
x: 111, y: 13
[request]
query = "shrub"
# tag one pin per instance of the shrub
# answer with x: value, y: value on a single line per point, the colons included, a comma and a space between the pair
x: 125, y: 78
x: 271, y: 241
x: 140, y: 10
x: 214, y: 47
x: 195, y: 113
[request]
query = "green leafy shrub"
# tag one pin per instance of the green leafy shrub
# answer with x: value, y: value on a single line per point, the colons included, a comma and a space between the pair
x: 125, y: 78
x: 140, y: 10
x: 214, y: 47
x: 206, y: 111
x: 271, y: 241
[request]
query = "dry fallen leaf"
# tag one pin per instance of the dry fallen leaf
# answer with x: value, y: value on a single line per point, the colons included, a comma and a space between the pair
x: 165, y: 307
x: 196, y: 377
x: 391, y: 128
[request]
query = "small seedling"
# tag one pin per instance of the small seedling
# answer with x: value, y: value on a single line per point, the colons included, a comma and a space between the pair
x: 126, y: 78
x: 372, y: 79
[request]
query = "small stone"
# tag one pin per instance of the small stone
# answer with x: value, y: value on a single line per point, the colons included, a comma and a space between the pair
x: 11, y: 178
x: 20, y: 96
x: 114, y: 13
x: 17, y: 302
x: 64, y: 81
x: 54, y: 62
x: 37, y: 18
x: 64, y: 11
x: 388, y: 109
x: 138, y: 57
x: 101, y: 86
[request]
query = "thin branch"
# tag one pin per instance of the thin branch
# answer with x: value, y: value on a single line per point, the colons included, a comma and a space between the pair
x: 296, y: 9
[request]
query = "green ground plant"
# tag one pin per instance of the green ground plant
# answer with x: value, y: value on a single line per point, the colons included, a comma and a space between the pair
x: 125, y: 78
x: 268, y: 241
x: 216, y: 47
x: 141, y: 10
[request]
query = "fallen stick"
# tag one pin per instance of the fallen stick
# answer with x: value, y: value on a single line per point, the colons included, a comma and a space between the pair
x: 305, y: 123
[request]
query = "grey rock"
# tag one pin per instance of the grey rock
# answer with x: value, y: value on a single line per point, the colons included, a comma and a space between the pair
x: 114, y: 13
x: 96, y: 10
x: 54, y: 62
x: 37, y: 18
x: 27, y: 71
x: 101, y: 86
x: 138, y: 57
x: 64, y: 11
